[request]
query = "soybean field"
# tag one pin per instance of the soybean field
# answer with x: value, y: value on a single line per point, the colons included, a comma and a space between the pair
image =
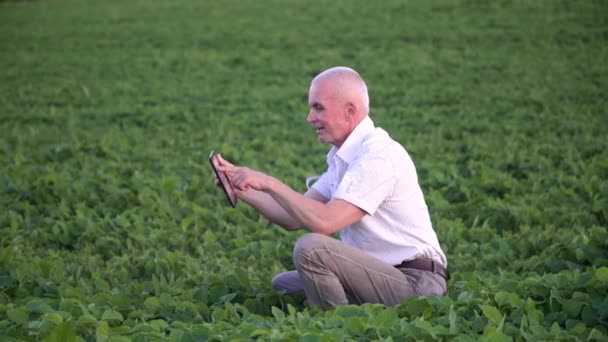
x: 111, y: 226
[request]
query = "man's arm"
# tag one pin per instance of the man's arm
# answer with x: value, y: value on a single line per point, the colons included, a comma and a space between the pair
x: 267, y: 205
x: 324, y: 218
x: 318, y: 216
x: 273, y: 211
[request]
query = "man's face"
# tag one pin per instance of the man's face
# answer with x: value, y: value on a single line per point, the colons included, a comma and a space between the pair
x: 327, y: 115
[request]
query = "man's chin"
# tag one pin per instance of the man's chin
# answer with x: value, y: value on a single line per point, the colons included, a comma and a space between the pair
x: 324, y: 139
x: 321, y: 139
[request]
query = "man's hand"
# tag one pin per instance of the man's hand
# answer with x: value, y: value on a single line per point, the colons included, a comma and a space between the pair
x: 243, y: 178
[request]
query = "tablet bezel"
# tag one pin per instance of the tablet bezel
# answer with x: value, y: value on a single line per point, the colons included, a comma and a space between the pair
x: 223, y: 181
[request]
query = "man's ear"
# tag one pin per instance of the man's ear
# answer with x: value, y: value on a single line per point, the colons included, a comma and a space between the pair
x: 351, y: 110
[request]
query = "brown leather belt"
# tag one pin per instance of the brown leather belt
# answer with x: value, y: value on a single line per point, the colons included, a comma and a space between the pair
x: 426, y: 265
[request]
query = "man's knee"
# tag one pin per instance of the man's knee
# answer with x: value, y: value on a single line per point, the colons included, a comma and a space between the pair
x: 287, y: 282
x: 278, y: 282
x: 306, y: 244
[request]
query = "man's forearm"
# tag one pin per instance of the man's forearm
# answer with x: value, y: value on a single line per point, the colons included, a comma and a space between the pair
x: 269, y: 208
x: 305, y: 211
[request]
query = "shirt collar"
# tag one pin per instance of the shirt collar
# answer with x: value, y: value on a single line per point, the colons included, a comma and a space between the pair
x: 348, y: 149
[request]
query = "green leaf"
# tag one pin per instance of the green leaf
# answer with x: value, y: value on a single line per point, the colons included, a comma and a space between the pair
x: 589, y: 315
x: 216, y: 292
x: 310, y: 337
x: 259, y: 333
x: 64, y: 332
x: 34, y: 324
x: 227, y: 298
x: 453, y: 321
x: 572, y: 307
x: 86, y: 319
x: 152, y: 304
x: 596, y: 335
x: 539, y: 330
x: 529, y: 306
x: 158, y: 324
x: 524, y: 324
x: 120, y: 339
x: 349, y: 311
x: 103, y: 332
x: 39, y: 307
x: 278, y: 314
x: 355, y: 325
x: 386, y: 318
x: 291, y: 310
x: 602, y: 274
x: 102, y: 285
x: 491, y: 313
x: 112, y: 315
x: 429, y: 328
x: 178, y: 335
x: 18, y: 315
x: 165, y: 299
x: 555, y: 329
x: 506, y: 299
x: 491, y: 334
x: 6, y: 281
x: 417, y: 306
x: 120, y: 301
x: 54, y: 318
x: 535, y: 317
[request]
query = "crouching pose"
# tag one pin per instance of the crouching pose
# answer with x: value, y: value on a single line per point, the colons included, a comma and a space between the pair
x: 369, y: 193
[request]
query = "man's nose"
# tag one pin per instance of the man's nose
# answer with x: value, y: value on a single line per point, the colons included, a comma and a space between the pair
x: 311, y: 117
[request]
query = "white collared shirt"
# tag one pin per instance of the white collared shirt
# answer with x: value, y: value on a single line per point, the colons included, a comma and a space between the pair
x: 375, y: 173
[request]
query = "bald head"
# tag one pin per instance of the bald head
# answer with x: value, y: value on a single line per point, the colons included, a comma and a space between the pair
x: 338, y: 102
x: 346, y: 85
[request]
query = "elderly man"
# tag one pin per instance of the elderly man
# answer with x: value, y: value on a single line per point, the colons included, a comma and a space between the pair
x: 369, y: 193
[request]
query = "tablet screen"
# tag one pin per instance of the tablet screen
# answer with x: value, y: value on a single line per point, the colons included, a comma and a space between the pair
x: 224, y: 183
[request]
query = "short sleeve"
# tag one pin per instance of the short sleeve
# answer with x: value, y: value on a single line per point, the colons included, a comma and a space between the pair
x: 323, y: 185
x: 367, y: 183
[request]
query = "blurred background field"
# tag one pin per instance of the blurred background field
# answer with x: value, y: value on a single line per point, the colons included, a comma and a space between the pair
x: 111, y: 227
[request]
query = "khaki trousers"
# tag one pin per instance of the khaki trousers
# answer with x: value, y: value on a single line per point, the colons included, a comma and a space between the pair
x: 332, y: 273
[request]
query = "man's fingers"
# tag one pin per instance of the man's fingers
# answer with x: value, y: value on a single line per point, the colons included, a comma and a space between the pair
x: 239, y: 180
x: 227, y: 168
x: 239, y: 177
x: 223, y: 162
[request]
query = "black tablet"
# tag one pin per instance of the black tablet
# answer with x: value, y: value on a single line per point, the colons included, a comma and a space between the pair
x: 224, y: 183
